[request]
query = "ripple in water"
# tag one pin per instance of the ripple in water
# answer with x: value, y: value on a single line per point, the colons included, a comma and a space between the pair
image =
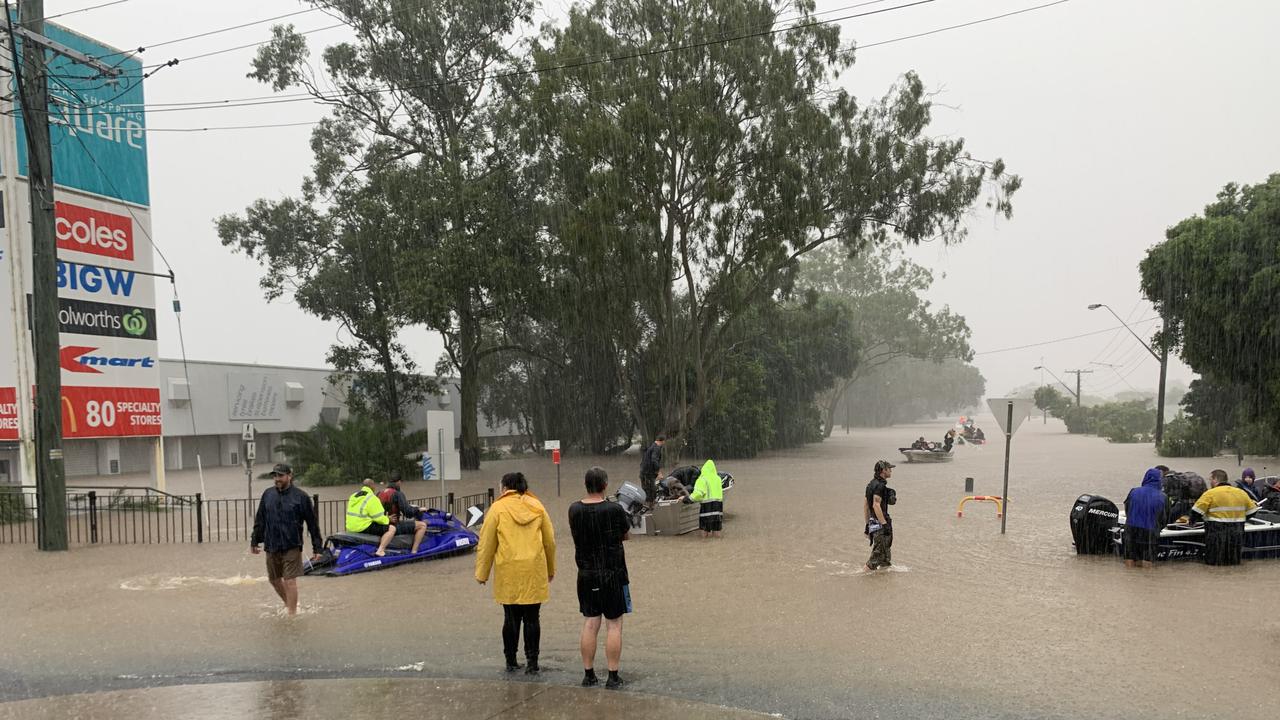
x: 181, y: 582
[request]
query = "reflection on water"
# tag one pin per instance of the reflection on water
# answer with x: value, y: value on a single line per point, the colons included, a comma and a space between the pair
x: 155, y: 582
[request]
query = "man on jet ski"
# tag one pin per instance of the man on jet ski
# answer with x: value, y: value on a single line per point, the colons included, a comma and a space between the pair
x: 365, y: 515
x: 403, y: 515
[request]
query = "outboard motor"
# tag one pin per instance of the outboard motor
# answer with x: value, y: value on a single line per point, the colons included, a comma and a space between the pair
x: 631, y: 498
x: 1092, y: 519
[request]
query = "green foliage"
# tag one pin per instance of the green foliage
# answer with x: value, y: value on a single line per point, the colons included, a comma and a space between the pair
x: 1188, y: 437
x: 884, y: 293
x: 1048, y: 399
x: 1120, y: 422
x: 909, y: 390
x: 13, y: 508
x: 1216, y: 281
x: 359, y: 447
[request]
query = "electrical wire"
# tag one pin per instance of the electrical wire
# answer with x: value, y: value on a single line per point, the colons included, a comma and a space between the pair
x: 525, y: 72
x: 1062, y: 339
x: 84, y: 9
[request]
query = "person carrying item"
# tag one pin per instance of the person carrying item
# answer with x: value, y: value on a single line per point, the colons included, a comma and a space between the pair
x: 875, y: 511
x: 1224, y: 510
x: 519, y: 545
x: 1145, y: 510
x: 709, y: 491
x: 366, y: 515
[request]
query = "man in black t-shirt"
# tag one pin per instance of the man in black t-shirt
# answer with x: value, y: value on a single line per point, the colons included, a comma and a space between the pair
x: 875, y: 511
x: 599, y: 528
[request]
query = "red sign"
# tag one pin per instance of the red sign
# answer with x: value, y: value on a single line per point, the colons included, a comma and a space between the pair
x: 8, y: 413
x: 93, y: 231
x: 110, y: 412
x: 555, y: 456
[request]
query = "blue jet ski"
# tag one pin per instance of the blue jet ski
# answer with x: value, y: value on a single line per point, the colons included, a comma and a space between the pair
x: 347, y: 553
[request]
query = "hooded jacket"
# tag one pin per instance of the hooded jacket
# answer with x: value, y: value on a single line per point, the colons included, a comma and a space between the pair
x: 708, y: 487
x: 518, y: 543
x: 1146, y: 506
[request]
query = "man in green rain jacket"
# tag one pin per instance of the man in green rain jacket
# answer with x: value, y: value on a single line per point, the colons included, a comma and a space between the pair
x: 709, y: 491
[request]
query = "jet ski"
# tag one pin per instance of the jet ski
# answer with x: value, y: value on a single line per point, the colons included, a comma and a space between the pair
x: 1097, y: 528
x: 348, y: 553
x: 927, y: 456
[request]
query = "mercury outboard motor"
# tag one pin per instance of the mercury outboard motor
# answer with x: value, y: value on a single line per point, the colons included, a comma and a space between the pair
x: 1092, y: 519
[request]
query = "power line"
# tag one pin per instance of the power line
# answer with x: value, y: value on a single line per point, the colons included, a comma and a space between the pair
x: 84, y: 9
x: 144, y: 48
x: 1061, y: 339
x: 570, y: 65
x: 963, y: 25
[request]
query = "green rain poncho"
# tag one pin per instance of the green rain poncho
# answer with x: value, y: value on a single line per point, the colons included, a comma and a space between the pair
x: 708, y: 487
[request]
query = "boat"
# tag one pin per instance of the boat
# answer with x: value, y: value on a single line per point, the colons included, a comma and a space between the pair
x: 350, y: 553
x: 1097, y: 528
x: 927, y: 456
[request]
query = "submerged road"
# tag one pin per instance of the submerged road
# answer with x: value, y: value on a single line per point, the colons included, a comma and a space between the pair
x: 774, y: 618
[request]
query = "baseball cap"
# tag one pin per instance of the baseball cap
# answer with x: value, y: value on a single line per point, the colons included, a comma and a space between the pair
x: 884, y: 465
x: 281, y: 469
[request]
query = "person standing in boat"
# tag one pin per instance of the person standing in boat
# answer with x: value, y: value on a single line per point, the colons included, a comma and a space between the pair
x: 1224, y: 510
x: 948, y: 440
x: 875, y: 511
x: 1145, y: 511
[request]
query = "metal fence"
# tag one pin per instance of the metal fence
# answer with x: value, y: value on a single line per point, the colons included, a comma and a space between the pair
x: 140, y: 515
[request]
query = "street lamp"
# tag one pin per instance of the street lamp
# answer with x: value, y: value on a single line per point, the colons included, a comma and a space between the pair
x: 1074, y: 394
x: 1162, y: 357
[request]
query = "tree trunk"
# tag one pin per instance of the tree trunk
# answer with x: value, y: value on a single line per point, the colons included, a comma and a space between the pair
x: 468, y: 371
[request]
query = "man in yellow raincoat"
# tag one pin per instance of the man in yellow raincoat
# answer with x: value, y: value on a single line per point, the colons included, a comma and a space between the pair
x: 709, y: 491
x: 519, y: 545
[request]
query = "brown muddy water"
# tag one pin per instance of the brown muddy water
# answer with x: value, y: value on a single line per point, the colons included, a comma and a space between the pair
x: 775, y: 617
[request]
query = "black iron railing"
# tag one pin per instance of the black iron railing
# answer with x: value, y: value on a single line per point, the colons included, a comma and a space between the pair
x: 141, y: 515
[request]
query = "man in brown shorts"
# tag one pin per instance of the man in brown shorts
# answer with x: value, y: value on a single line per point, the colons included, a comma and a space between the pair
x: 282, y: 511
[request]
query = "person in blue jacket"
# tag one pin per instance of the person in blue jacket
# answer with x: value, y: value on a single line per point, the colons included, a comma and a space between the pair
x: 1145, y: 510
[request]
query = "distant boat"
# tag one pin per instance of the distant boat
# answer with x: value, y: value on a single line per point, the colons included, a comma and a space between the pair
x: 927, y: 456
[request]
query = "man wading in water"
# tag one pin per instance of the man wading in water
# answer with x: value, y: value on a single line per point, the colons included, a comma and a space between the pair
x: 875, y: 511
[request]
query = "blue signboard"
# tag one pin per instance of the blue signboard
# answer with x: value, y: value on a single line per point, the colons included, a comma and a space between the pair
x: 97, y: 128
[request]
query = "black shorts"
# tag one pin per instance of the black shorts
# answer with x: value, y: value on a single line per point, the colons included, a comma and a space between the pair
x: 1140, y: 544
x: 405, y: 527
x: 375, y: 529
x: 596, y: 598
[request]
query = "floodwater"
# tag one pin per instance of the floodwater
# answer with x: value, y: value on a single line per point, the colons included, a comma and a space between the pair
x: 776, y: 617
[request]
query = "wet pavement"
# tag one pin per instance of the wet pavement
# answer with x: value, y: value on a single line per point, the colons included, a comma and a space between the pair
x: 363, y: 698
x: 774, y: 618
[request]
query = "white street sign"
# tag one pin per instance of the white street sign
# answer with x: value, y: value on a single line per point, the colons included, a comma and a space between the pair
x: 247, y: 432
x: 1022, y: 409
x: 251, y: 451
x: 551, y: 445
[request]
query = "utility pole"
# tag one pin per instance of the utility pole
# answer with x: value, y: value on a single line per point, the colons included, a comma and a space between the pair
x: 33, y: 93
x: 1077, y: 373
x: 31, y: 76
x: 1164, y: 369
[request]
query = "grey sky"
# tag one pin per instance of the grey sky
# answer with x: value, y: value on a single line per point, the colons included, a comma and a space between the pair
x: 1123, y: 117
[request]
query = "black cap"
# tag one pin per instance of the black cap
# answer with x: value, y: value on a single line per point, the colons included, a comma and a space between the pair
x: 395, y: 476
x: 281, y: 469
x: 884, y: 465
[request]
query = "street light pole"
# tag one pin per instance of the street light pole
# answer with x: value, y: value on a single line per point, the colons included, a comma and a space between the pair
x: 1074, y: 393
x: 1162, y: 357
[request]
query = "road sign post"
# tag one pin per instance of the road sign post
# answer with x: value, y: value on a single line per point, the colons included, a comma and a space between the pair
x: 554, y: 447
x: 1009, y: 412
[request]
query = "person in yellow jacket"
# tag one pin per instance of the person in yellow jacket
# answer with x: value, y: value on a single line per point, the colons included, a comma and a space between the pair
x: 518, y: 543
x: 1224, y: 509
x: 709, y: 490
x: 366, y: 515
